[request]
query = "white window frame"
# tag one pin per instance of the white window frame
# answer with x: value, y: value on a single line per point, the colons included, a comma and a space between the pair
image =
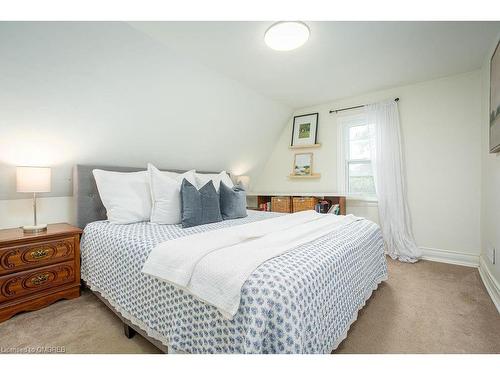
x: 344, y: 123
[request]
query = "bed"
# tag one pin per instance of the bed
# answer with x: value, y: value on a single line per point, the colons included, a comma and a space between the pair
x: 302, y: 301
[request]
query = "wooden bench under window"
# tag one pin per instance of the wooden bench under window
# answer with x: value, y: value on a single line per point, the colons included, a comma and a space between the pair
x: 289, y: 203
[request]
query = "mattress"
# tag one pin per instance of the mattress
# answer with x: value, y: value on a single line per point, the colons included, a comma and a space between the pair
x: 303, y: 301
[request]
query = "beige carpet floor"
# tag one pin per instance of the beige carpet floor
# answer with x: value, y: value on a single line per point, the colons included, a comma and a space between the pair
x: 426, y: 307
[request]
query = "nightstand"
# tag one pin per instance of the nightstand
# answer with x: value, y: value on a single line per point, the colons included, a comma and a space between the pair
x: 38, y: 269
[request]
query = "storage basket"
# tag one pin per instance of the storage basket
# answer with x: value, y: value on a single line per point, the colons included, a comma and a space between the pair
x: 281, y: 204
x: 304, y: 203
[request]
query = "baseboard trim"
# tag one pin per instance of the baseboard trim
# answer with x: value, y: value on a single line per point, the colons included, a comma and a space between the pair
x: 490, y: 283
x: 449, y: 256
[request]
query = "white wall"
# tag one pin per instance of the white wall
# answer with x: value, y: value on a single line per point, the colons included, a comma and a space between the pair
x: 17, y: 212
x: 490, y: 205
x: 105, y: 93
x: 442, y: 134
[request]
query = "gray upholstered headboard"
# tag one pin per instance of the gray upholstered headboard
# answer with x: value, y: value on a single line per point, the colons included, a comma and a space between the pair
x: 88, y: 204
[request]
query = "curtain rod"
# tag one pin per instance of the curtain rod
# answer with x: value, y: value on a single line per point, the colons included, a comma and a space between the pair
x: 358, y: 106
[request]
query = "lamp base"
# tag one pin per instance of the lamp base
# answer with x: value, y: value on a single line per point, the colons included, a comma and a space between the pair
x: 35, y: 228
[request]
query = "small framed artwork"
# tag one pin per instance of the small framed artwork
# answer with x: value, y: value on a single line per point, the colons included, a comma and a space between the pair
x: 305, y: 129
x: 495, y: 101
x: 303, y: 164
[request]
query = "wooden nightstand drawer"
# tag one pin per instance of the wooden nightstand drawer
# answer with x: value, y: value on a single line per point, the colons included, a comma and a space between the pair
x: 37, y: 269
x: 24, y: 283
x: 36, y: 254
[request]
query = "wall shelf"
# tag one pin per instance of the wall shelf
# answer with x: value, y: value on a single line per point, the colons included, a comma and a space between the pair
x: 314, y: 175
x: 296, y: 147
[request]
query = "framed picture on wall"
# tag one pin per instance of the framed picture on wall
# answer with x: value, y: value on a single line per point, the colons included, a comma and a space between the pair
x: 305, y: 129
x: 303, y: 164
x: 495, y: 101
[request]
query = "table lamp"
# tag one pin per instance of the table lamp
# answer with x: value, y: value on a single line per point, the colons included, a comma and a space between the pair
x: 33, y: 180
x: 243, y: 181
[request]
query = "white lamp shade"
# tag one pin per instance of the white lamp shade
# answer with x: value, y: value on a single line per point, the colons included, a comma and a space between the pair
x: 33, y: 179
x: 243, y: 181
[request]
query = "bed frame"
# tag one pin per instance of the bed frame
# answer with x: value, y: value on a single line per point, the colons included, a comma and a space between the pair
x: 89, y: 208
x: 129, y: 328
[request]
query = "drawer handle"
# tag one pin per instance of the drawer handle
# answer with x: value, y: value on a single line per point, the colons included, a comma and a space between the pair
x: 39, y: 253
x: 40, y: 279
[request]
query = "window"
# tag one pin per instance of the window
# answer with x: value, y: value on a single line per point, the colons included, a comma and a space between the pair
x: 356, y: 173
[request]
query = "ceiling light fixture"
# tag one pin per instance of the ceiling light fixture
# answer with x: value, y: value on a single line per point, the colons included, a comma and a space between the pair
x: 286, y: 35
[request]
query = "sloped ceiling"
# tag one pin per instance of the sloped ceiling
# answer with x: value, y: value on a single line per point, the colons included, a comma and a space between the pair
x: 341, y: 59
x: 205, y: 95
x: 106, y: 93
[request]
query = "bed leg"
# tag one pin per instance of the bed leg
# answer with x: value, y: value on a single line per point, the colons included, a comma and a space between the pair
x: 129, y: 332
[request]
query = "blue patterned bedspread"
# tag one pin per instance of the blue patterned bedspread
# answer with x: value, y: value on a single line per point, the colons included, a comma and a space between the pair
x: 300, y: 302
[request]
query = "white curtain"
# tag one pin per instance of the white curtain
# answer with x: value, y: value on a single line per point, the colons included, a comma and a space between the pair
x: 390, y: 181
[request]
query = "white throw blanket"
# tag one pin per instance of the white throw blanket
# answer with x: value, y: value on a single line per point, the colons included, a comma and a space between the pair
x: 213, y: 266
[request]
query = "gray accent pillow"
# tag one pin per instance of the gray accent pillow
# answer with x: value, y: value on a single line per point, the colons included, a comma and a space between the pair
x: 233, y: 201
x: 199, y: 206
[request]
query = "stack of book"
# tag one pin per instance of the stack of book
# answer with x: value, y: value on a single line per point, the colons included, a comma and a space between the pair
x: 335, y: 209
x: 323, y: 207
x: 326, y: 207
x: 265, y: 206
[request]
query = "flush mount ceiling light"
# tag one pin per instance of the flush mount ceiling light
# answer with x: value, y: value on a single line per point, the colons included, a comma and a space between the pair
x: 286, y: 35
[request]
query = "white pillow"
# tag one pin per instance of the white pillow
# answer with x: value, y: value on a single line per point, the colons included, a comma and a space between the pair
x: 125, y: 196
x: 173, y: 175
x: 166, y: 194
x: 202, y: 179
